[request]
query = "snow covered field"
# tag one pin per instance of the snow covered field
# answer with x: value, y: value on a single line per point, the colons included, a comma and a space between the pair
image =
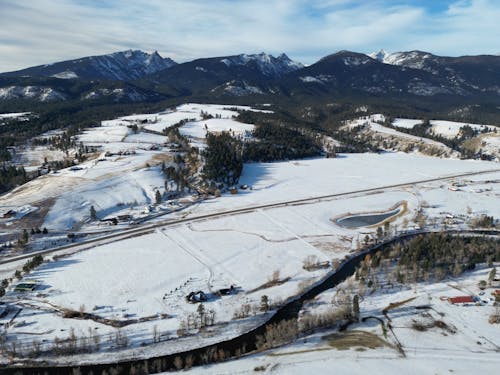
x: 31, y: 158
x: 372, y: 127
x: 119, y: 177
x: 192, y: 111
x: 489, y: 143
x: 198, y: 129
x: 149, y: 276
x: 406, y: 123
x: 448, y: 129
x: 468, y: 344
x: 291, y: 180
x: 144, y: 280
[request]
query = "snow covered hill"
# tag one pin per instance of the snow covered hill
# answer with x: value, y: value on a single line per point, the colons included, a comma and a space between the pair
x: 268, y: 64
x: 121, y: 66
x: 38, y: 93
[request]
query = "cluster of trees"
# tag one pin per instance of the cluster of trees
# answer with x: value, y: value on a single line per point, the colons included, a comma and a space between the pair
x: 202, y: 318
x: 37, y: 230
x: 223, y: 159
x: 457, y: 143
x: 279, y: 142
x: 434, y: 256
x: 278, y: 334
x: 64, y: 141
x: 345, y: 308
x: 3, y: 285
x: 173, y: 134
x: 11, y: 176
x: 483, y: 221
x: 207, y: 116
x: 32, y: 263
x: 354, y: 141
x: 72, y: 344
x: 180, y: 174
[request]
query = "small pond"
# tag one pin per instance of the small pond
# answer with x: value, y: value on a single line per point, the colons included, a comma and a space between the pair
x: 365, y: 220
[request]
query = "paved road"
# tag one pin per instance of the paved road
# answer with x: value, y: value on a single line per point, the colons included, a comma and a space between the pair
x: 148, y: 228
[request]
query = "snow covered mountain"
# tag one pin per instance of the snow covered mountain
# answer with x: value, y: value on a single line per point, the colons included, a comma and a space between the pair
x: 411, y: 59
x: 136, y: 76
x: 269, y: 65
x: 345, y: 72
x: 380, y: 55
x: 464, y: 75
x: 235, y: 75
x: 121, y: 66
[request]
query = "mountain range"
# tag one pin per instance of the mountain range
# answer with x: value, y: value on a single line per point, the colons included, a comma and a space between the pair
x: 138, y: 76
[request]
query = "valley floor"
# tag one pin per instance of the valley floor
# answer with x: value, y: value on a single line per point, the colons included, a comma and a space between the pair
x: 145, y: 279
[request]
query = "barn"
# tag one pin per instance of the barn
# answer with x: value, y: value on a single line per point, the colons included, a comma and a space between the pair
x: 460, y: 300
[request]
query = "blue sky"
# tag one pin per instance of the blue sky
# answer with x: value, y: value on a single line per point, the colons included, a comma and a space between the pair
x: 43, y: 31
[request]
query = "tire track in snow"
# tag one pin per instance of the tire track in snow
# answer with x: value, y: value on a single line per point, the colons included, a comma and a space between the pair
x: 208, y: 267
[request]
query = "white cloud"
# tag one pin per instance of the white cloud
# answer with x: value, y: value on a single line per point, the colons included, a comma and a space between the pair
x: 42, y: 31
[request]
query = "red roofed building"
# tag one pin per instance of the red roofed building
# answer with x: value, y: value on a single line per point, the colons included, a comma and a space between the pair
x: 461, y: 299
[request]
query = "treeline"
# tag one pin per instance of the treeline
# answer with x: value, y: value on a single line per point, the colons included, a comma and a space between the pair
x: 72, y: 117
x: 11, y: 176
x: 223, y: 159
x: 354, y: 141
x: 457, y: 143
x: 278, y: 142
x: 434, y: 256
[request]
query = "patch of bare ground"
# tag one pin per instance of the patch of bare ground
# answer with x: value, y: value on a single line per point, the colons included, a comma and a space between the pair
x: 395, y: 305
x: 160, y: 158
x: 329, y: 247
x: 423, y: 326
x: 72, y: 314
x: 35, y: 218
x: 270, y: 284
x: 355, y: 339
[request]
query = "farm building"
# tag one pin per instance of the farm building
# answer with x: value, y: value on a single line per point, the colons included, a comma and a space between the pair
x: 460, y: 300
x: 226, y: 291
x: 198, y: 296
x: 26, y: 286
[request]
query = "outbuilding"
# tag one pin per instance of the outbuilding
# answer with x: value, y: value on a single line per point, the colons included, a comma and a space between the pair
x: 26, y: 286
x: 461, y: 300
x: 198, y: 296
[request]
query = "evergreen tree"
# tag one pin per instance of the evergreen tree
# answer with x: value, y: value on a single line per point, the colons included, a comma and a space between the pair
x: 355, y: 307
x: 264, y: 303
x: 93, y: 213
x: 25, y: 237
x: 492, y: 275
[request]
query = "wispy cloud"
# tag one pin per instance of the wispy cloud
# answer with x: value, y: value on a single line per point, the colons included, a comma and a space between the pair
x: 42, y: 31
